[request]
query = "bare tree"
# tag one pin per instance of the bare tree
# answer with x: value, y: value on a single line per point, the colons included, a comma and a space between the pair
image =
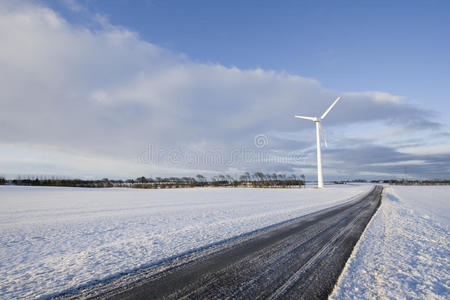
x: 304, y: 180
x: 201, y: 178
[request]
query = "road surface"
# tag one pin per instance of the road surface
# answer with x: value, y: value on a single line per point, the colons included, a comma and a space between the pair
x: 298, y: 259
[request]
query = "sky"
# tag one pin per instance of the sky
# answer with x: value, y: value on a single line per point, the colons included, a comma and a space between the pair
x: 94, y: 89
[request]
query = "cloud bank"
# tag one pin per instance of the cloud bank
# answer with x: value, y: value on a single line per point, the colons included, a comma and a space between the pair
x: 74, y: 95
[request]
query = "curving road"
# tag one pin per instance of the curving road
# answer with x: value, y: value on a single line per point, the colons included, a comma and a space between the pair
x: 299, y: 259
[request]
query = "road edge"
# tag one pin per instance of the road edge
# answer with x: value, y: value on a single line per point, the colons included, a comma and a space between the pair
x: 357, y: 244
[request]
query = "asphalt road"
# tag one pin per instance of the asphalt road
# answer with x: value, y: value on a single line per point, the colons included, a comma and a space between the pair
x: 299, y: 259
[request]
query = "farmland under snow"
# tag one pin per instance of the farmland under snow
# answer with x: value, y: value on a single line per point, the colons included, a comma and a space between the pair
x: 404, y: 252
x: 52, y: 239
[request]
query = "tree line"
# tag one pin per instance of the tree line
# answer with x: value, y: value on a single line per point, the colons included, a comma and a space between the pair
x: 414, y: 182
x: 247, y: 179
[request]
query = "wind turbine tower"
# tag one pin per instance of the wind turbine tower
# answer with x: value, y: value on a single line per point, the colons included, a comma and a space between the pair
x: 319, y: 132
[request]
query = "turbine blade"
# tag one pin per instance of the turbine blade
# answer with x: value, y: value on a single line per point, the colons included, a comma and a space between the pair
x: 323, y: 135
x: 306, y: 118
x: 329, y: 108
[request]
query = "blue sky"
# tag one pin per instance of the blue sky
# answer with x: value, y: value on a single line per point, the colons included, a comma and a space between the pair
x: 165, y: 87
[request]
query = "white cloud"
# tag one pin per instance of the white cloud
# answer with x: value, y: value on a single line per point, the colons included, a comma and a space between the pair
x: 377, y: 96
x: 108, y: 93
x: 73, y: 5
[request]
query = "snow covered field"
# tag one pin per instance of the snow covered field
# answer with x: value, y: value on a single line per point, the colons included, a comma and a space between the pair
x: 52, y: 239
x: 405, y: 251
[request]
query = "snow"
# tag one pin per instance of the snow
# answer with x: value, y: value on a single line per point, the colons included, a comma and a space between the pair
x: 54, y: 239
x: 404, y: 252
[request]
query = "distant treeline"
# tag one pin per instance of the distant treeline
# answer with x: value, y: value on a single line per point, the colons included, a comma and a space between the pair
x: 257, y: 179
x: 414, y: 182
x: 398, y: 181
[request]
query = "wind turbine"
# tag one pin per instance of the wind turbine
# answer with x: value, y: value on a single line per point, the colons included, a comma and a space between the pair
x: 319, y: 132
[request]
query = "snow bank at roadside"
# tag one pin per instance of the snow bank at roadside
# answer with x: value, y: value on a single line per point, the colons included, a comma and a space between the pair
x: 52, y: 239
x: 404, y: 252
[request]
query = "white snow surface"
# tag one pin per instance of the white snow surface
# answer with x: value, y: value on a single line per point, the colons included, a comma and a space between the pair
x: 405, y: 250
x: 53, y: 238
